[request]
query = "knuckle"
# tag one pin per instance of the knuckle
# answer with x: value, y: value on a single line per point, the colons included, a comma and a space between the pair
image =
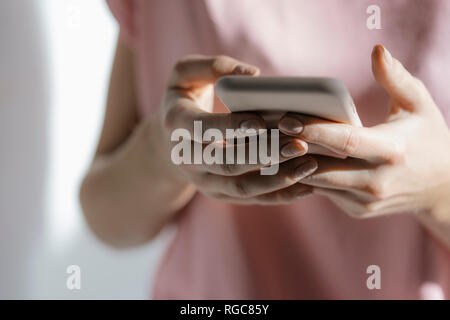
x: 402, y: 76
x: 355, y: 214
x: 182, y: 64
x: 424, y: 95
x: 221, y: 57
x: 311, y: 133
x: 398, y: 154
x: 369, y: 210
x: 377, y: 188
x: 221, y: 63
x: 227, y: 169
x: 363, y: 212
x: 351, y: 141
x: 239, y: 188
x: 217, y: 196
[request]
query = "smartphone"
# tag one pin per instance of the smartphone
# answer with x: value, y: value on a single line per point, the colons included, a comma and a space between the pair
x: 326, y: 98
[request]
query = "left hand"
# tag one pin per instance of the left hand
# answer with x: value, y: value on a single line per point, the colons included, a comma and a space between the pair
x: 391, y: 167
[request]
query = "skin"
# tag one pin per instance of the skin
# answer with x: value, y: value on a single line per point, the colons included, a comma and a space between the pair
x: 132, y: 170
x: 400, y: 165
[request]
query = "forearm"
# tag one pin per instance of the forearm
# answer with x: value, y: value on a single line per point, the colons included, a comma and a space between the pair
x: 129, y: 194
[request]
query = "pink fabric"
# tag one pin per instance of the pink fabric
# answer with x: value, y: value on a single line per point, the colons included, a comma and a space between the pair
x: 309, y: 249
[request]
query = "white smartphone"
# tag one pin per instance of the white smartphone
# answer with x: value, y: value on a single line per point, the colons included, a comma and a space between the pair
x: 327, y: 98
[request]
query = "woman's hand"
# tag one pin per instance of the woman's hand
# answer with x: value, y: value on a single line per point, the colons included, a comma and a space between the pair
x: 395, y: 166
x: 189, y: 98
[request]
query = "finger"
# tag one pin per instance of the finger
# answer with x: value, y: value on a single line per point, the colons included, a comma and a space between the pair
x: 285, y: 196
x: 361, y: 208
x: 345, y: 139
x: 404, y: 88
x: 197, y: 70
x: 253, y: 184
x: 319, y: 150
x: 347, y: 201
x: 350, y: 174
x: 244, y: 158
x: 186, y: 116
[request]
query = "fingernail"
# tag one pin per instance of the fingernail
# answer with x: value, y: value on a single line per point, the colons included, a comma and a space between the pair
x: 245, y: 69
x: 292, y: 149
x: 290, y: 125
x: 251, y: 124
x: 305, y: 169
x: 387, y: 56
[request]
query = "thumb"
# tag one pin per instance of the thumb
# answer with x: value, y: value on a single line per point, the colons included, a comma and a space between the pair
x: 197, y: 71
x: 405, y: 90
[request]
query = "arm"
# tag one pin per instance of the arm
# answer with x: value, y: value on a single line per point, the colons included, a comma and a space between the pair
x: 133, y: 188
x: 128, y: 174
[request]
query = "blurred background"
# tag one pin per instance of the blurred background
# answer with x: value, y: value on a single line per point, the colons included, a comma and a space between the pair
x: 55, y: 59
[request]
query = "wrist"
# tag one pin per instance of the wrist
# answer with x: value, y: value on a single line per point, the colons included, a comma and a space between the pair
x: 158, y: 150
x: 437, y: 204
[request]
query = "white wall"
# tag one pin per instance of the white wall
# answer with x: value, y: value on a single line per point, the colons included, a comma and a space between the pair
x: 54, y: 71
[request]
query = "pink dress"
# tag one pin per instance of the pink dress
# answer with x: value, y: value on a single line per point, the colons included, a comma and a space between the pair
x: 310, y: 249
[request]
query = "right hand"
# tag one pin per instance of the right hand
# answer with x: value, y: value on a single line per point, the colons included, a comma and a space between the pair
x: 190, y: 97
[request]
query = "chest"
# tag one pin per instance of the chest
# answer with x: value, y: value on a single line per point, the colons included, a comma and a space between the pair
x: 294, y: 37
